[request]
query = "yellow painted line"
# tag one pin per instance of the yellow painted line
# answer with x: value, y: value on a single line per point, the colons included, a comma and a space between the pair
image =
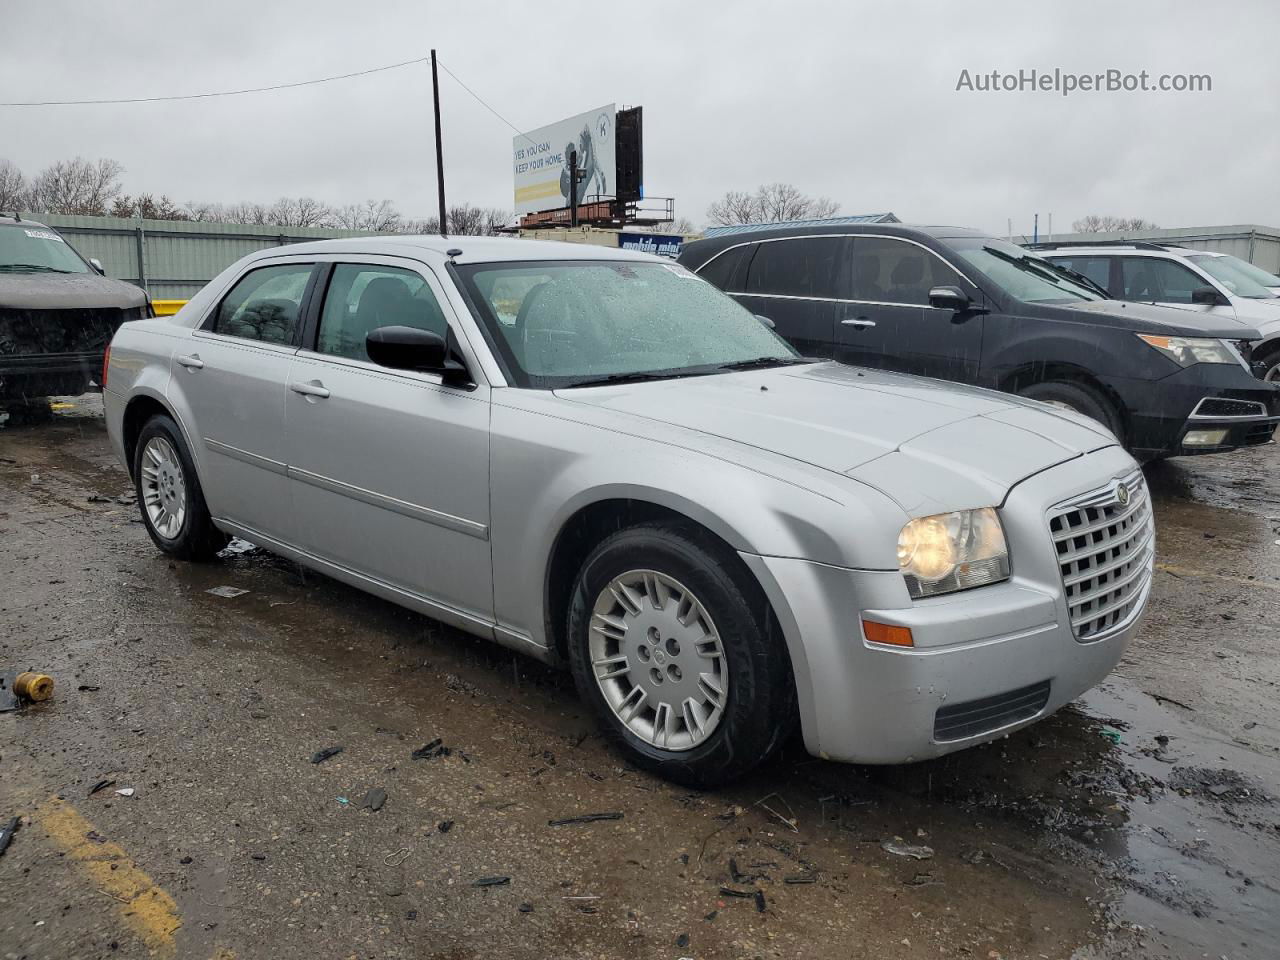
x: 1178, y: 571
x: 146, y: 908
x: 62, y: 405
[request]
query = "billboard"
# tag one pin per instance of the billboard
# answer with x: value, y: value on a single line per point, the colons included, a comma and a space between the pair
x: 540, y: 161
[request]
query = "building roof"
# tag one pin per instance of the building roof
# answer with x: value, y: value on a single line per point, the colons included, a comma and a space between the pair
x: 825, y: 222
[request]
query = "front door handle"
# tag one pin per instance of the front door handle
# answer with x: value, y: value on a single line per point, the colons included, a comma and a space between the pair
x: 310, y: 388
x: 858, y: 322
x: 192, y: 362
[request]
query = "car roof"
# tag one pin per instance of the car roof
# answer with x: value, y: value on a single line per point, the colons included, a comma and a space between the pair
x: 1143, y: 247
x: 473, y: 249
x: 11, y: 220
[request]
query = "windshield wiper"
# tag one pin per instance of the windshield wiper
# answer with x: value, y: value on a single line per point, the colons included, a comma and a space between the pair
x: 638, y: 377
x: 1081, y: 279
x: 30, y: 268
x: 755, y: 362
x: 1030, y: 266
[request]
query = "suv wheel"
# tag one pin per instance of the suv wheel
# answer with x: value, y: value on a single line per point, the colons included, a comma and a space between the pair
x: 1078, y: 397
x: 169, y: 494
x: 672, y: 645
x: 1270, y: 362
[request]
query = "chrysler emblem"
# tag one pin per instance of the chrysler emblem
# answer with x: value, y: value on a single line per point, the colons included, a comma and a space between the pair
x: 1122, y: 494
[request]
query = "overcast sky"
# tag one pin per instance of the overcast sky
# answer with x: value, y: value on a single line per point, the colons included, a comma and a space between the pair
x: 853, y: 100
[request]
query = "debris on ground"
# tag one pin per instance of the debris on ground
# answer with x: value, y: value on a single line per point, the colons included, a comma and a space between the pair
x: 101, y: 785
x: 760, y: 901
x: 800, y: 878
x: 19, y: 689
x: 526, y: 908
x: 922, y: 880
x: 914, y: 851
x: 320, y: 756
x: 584, y: 818
x: 7, y: 832
x: 236, y: 548
x: 227, y: 593
x: 740, y: 894
x: 492, y: 882
x: 125, y: 791
x: 682, y: 941
x: 374, y: 799
x: 445, y: 826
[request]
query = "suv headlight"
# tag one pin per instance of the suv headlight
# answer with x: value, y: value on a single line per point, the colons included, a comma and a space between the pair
x: 1184, y: 351
x: 953, y: 551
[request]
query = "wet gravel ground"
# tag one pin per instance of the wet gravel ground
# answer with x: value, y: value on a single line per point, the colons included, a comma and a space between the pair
x: 1140, y: 821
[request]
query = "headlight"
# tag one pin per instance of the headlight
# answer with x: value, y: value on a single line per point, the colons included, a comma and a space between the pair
x: 1184, y: 351
x: 953, y: 551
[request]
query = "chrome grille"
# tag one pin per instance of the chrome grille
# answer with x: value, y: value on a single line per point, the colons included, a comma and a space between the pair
x: 1106, y: 549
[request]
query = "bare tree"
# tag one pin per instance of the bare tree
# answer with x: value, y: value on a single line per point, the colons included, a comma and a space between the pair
x: 13, y: 187
x: 1095, y: 223
x: 771, y: 203
x: 380, y: 216
x: 77, y: 187
x: 147, y: 207
x: 682, y: 226
x: 299, y: 212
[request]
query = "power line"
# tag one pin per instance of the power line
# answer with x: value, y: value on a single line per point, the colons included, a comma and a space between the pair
x: 479, y: 99
x: 230, y: 93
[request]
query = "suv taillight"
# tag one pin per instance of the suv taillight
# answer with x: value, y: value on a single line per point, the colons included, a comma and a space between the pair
x: 106, y: 362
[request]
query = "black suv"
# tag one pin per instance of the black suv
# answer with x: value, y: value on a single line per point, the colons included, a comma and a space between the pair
x: 956, y: 304
x: 57, y: 313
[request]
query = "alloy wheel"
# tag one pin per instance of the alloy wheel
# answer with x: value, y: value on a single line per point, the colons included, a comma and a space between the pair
x: 164, y: 488
x: 658, y: 659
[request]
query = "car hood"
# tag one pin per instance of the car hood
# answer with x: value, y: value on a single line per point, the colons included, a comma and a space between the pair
x: 1262, y: 314
x: 1154, y: 318
x: 61, y: 291
x: 914, y: 439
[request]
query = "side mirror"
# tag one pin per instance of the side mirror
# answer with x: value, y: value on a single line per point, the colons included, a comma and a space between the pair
x: 949, y: 298
x: 97, y: 265
x: 408, y: 348
x: 766, y: 321
x: 1209, y: 297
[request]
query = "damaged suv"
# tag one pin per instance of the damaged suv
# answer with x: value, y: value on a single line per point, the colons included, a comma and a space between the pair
x: 57, y: 313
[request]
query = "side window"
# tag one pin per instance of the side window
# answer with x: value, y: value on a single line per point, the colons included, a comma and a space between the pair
x: 1148, y: 278
x: 894, y: 271
x: 805, y: 267
x: 1097, y: 269
x: 364, y: 297
x: 721, y: 269
x: 265, y: 304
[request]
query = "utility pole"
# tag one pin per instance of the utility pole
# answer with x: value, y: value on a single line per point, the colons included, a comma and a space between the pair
x: 435, y: 95
x: 1035, y: 230
x: 573, y: 188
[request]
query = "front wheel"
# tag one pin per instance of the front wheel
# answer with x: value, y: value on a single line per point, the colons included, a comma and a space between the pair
x: 1079, y: 398
x: 1270, y: 363
x: 672, y: 644
x: 169, y: 494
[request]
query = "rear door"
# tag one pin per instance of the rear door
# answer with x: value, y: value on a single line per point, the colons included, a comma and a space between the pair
x: 229, y: 381
x: 793, y: 281
x: 885, y: 319
x: 389, y: 469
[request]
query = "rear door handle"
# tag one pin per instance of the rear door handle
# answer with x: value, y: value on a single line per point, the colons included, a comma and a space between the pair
x: 192, y: 362
x: 858, y: 322
x: 310, y: 388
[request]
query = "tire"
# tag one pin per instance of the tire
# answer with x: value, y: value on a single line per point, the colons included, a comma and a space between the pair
x: 1271, y: 362
x: 1080, y: 398
x: 655, y: 645
x: 164, y: 477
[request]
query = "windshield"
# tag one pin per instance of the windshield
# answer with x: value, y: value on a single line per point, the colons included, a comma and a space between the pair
x: 565, y: 323
x: 1022, y: 275
x: 1237, y: 276
x: 36, y: 249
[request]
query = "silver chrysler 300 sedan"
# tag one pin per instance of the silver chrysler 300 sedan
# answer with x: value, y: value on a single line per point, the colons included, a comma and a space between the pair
x: 595, y: 457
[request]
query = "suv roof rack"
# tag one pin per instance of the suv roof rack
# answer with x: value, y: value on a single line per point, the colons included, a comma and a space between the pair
x: 1136, y: 244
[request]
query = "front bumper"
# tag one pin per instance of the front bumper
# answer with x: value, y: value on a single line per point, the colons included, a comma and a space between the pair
x: 1163, y: 413
x: 46, y: 374
x: 985, y: 662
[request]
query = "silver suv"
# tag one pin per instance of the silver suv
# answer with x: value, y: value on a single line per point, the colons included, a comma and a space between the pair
x: 1217, y: 284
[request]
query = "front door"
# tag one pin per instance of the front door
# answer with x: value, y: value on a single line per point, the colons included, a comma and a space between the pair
x: 884, y: 318
x: 1168, y: 283
x: 389, y: 469
x: 228, y: 385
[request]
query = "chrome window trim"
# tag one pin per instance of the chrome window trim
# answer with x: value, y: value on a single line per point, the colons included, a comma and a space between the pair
x: 870, y: 303
x: 366, y: 366
x: 819, y: 236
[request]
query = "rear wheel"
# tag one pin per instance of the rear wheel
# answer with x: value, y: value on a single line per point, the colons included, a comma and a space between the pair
x: 1270, y: 362
x: 1077, y: 397
x: 169, y: 494
x: 672, y: 644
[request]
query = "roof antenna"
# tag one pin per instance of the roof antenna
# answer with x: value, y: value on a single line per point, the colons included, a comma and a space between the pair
x: 452, y: 252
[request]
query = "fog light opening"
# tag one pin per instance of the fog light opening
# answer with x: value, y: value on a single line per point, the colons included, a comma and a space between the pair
x: 887, y: 634
x: 1204, y: 438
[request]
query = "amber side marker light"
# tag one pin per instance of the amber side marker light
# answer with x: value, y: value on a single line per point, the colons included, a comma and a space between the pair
x: 106, y: 363
x: 887, y: 634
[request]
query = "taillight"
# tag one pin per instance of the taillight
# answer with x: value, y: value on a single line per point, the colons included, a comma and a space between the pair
x: 106, y: 362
